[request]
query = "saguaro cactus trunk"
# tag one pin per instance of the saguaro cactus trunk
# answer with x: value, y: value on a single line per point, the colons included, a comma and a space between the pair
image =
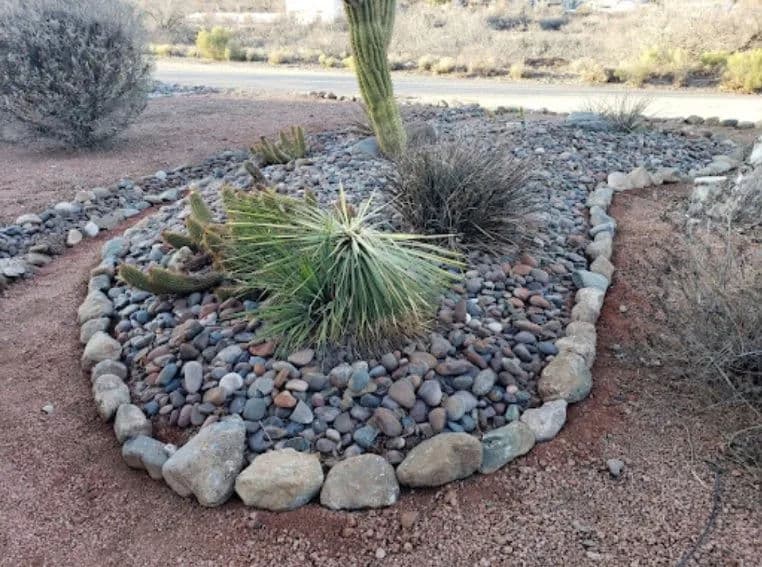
x: 371, y: 23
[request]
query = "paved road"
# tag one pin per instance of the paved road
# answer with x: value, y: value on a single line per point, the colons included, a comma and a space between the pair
x: 487, y: 92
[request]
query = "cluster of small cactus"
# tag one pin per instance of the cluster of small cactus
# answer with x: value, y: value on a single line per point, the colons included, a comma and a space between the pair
x: 290, y: 145
x: 371, y: 23
x: 203, y: 236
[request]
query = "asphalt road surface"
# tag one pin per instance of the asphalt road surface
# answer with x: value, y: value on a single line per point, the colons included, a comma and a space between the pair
x: 487, y: 92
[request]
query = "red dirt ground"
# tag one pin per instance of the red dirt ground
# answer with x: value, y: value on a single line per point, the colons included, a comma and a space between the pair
x: 173, y: 131
x: 68, y: 499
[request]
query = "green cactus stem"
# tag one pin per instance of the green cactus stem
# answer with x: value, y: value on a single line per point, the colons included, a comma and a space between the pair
x: 371, y: 23
x: 164, y: 282
x: 199, y: 209
x: 178, y: 240
x: 255, y: 172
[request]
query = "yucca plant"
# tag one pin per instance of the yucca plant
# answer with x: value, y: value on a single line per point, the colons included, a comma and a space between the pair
x: 332, y: 276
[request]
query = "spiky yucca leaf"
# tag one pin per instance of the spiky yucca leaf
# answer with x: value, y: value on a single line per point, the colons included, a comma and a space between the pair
x: 333, y: 276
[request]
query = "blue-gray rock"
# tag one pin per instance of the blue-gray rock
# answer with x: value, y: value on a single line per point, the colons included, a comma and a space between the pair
x: 95, y: 305
x: 430, y: 391
x: 365, y: 436
x: 130, y: 421
x: 484, y: 382
x: 547, y: 420
x: 500, y: 446
x: 207, y: 465
x: 301, y: 413
x: 109, y: 392
x: 255, y: 409
x: 193, y: 376
x: 109, y: 367
x: 585, y: 278
x: 145, y: 453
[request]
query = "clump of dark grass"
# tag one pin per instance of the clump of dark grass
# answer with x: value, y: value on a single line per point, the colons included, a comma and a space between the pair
x: 480, y: 196
x: 625, y: 113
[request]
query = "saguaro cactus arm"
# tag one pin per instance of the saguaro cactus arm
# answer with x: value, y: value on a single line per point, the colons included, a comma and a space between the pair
x: 371, y: 23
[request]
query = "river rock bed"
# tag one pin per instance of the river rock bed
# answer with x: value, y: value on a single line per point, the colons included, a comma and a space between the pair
x: 191, y: 361
x: 513, y: 343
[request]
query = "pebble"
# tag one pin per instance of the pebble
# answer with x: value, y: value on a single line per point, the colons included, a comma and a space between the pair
x: 403, y: 393
x: 615, y: 467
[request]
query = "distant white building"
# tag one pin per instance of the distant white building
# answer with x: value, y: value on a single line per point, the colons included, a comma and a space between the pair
x: 315, y: 10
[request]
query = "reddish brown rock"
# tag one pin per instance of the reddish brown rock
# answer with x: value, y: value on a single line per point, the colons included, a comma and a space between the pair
x: 284, y: 400
x: 263, y: 349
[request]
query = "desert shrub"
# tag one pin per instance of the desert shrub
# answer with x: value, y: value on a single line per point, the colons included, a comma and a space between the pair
x: 329, y: 61
x: 170, y: 50
x: 482, y: 68
x: 744, y: 71
x: 426, y: 62
x: 674, y: 62
x: 444, y: 66
x: 590, y: 71
x: 518, y: 70
x: 211, y: 44
x: 167, y: 20
x: 712, y: 335
x: 281, y: 57
x: 332, y: 276
x: 399, y: 62
x: 634, y: 74
x: 625, y: 113
x: 505, y: 23
x: 72, y: 70
x: 552, y: 24
x: 477, y: 195
x: 234, y: 52
x: 255, y: 54
x: 714, y: 58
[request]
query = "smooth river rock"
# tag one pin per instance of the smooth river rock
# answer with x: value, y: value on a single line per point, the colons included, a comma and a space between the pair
x: 364, y: 481
x: 547, y: 420
x: 500, y: 446
x: 280, y: 480
x: 207, y: 465
x: 566, y: 376
x: 443, y: 458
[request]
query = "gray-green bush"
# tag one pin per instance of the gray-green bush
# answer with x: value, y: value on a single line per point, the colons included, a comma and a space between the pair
x: 72, y: 70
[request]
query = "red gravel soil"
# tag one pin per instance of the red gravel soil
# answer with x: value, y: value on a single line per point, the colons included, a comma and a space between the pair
x: 67, y: 498
x: 173, y: 131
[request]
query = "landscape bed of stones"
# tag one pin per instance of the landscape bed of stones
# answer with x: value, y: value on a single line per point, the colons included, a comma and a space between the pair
x: 511, y: 346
